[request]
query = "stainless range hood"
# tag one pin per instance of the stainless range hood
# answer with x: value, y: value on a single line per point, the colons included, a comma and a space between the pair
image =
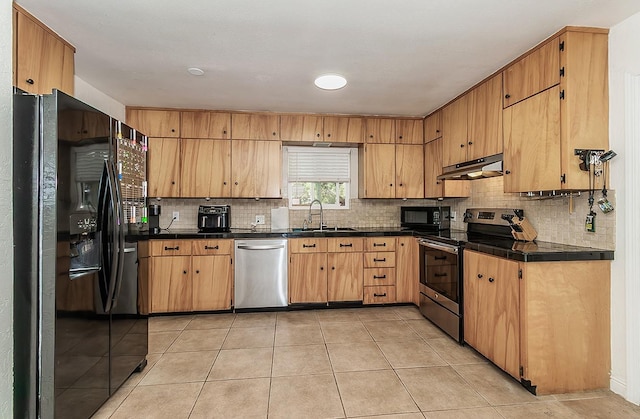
x: 475, y: 169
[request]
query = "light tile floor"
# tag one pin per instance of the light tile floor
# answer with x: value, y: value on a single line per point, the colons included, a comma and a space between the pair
x: 334, y: 363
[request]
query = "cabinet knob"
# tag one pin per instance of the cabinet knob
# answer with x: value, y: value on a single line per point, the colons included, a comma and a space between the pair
x: 173, y: 130
x: 401, y: 184
x: 391, y: 184
x: 328, y: 135
x: 461, y: 145
x: 29, y: 81
x: 479, y: 276
x: 507, y: 172
x: 322, y: 268
x: 224, y: 132
x: 224, y: 183
x: 437, y: 131
x: 401, y: 244
x: 470, y: 142
x: 273, y: 133
x: 333, y: 268
x: 184, y: 272
x: 197, y: 271
x: 438, y: 182
x: 491, y: 279
x: 318, y: 135
x: 173, y: 182
x: 236, y: 183
x: 400, y: 137
x: 507, y: 96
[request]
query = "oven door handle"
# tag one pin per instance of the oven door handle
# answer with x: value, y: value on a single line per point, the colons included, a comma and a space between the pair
x: 449, y: 249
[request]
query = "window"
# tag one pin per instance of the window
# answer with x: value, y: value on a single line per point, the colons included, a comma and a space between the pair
x: 322, y: 174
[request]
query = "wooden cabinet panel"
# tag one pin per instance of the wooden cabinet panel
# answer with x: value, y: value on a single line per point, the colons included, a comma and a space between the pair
x: 409, y: 171
x: 532, y: 143
x: 345, y: 277
x: 163, y: 167
x: 379, y: 244
x: 433, y: 188
x: 211, y: 247
x: 155, y: 123
x: 206, y: 168
x: 409, y: 131
x: 30, y: 45
x: 308, y: 245
x: 247, y: 126
x: 345, y: 244
x: 343, y: 129
x: 379, y: 295
x: 301, y: 128
x: 485, y: 119
x: 379, y: 276
x: 256, y: 168
x: 51, y: 64
x: 379, y: 259
x: 377, y: 171
x: 454, y: 131
x: 380, y: 130
x: 204, y: 124
x: 67, y: 83
x: 407, y: 270
x: 308, y: 278
x: 170, y: 248
x: 211, y: 282
x: 532, y: 74
x: 171, y: 289
x: 144, y: 297
x: 433, y: 126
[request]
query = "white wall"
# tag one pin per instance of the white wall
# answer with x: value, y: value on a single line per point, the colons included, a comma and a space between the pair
x: 94, y: 97
x: 624, y: 61
x: 6, y: 218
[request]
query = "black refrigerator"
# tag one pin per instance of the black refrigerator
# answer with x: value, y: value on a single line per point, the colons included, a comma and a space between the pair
x: 79, y: 193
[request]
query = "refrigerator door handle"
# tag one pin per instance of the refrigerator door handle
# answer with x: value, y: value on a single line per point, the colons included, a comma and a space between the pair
x: 119, y: 227
x: 108, y: 221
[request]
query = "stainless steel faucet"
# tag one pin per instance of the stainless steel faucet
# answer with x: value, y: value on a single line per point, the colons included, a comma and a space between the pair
x: 311, y: 214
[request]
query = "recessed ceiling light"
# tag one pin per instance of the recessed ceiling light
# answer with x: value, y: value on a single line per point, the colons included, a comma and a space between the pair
x: 331, y: 82
x: 195, y: 71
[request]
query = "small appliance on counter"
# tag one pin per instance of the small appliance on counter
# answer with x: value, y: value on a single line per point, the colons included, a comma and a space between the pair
x: 521, y: 228
x: 154, y: 218
x: 214, y: 218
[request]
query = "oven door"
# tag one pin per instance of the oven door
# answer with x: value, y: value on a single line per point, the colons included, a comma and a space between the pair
x: 440, y: 273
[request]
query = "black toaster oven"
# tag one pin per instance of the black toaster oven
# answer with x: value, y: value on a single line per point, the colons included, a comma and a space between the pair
x: 214, y: 218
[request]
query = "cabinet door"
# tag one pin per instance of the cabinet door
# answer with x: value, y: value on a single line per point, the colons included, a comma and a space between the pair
x: 485, y: 119
x: 345, y: 277
x: 308, y: 278
x: 211, y: 282
x: 409, y: 171
x: 532, y: 74
x: 409, y: 131
x: 433, y: 188
x: 256, y: 168
x: 51, y: 64
x: 204, y: 124
x: 454, y: 131
x: 377, y: 171
x: 163, y: 167
x: 339, y: 129
x: 154, y: 123
x: 532, y: 143
x: 407, y: 270
x: 206, y: 168
x: 433, y: 126
x: 301, y: 128
x: 68, y: 71
x: 247, y: 126
x: 30, y: 45
x: 380, y: 130
x: 170, y: 284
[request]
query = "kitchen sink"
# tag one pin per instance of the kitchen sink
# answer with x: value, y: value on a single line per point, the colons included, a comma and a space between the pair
x: 327, y: 229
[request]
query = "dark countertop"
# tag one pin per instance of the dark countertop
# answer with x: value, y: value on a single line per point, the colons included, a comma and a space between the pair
x: 539, y: 251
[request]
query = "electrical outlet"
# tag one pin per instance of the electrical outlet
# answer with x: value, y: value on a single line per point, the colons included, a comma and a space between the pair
x: 452, y: 216
x: 259, y: 219
x: 176, y: 215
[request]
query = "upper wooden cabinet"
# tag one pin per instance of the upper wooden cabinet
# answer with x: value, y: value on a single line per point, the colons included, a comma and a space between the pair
x: 390, y: 171
x: 42, y: 60
x: 433, y: 126
x: 409, y: 171
x: 155, y: 123
x: 205, y: 124
x: 206, y: 168
x: 380, y: 130
x: 163, y: 167
x: 538, y: 71
x: 472, y: 124
x: 409, y: 131
x: 255, y: 126
x: 434, y: 188
x: 301, y: 128
x: 256, y: 169
x: 343, y: 129
x: 542, y: 131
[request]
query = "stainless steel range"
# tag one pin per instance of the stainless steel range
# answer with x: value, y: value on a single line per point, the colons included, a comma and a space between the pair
x: 441, y: 264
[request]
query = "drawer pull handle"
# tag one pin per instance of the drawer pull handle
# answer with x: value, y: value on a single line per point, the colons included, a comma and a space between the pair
x: 379, y: 244
x: 380, y: 295
x: 304, y: 246
x: 437, y: 275
x: 440, y: 257
x: 172, y: 248
x: 346, y: 245
x: 379, y: 276
x: 380, y: 260
x: 216, y: 247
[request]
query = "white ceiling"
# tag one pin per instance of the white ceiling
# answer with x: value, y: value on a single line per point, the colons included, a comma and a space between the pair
x: 402, y: 57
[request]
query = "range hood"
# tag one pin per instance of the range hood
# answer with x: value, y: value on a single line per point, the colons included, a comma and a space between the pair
x: 475, y: 169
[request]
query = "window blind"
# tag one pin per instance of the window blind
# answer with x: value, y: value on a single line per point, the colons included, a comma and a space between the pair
x: 315, y: 165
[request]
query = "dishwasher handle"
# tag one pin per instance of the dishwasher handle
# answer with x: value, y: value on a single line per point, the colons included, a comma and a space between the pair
x: 264, y: 247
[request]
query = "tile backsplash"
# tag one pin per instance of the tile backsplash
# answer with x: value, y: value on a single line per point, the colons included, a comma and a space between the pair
x: 549, y: 216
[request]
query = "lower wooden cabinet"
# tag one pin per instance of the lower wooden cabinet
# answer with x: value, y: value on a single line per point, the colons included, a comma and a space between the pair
x: 190, y: 275
x: 379, y: 270
x: 545, y: 323
x: 407, y: 270
x: 380, y: 294
x: 345, y: 272
x: 308, y: 270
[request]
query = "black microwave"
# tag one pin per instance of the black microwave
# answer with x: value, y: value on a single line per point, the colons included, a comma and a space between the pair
x: 425, y: 218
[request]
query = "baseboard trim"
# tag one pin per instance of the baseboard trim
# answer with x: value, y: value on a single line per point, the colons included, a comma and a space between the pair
x: 618, y: 386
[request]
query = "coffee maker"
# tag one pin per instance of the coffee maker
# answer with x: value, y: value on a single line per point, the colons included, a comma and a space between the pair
x: 154, y: 218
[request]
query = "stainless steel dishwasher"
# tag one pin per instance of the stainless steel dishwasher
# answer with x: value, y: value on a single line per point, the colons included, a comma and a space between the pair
x: 260, y: 273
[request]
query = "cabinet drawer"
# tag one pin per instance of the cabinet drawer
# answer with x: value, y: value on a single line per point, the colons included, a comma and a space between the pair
x: 211, y: 247
x: 379, y: 295
x: 310, y: 245
x: 379, y: 276
x: 345, y: 244
x: 379, y: 244
x: 170, y: 248
x: 379, y: 259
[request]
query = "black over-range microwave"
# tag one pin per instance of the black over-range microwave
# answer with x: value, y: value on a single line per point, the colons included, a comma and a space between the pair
x: 425, y: 218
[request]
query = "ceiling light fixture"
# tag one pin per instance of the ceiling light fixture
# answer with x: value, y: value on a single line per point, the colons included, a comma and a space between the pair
x: 330, y: 82
x: 195, y: 71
